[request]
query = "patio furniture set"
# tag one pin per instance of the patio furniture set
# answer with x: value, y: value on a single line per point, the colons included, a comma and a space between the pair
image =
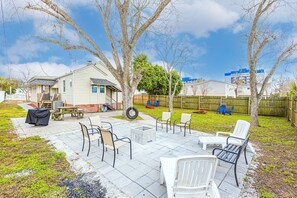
x: 187, y: 176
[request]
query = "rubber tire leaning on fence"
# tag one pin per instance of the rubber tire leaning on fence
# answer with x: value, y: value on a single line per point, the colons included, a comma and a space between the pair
x: 132, y: 113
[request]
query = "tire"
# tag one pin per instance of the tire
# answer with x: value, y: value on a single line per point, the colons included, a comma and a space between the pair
x: 132, y: 113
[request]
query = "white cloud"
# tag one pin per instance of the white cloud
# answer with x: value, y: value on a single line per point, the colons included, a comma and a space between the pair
x: 23, y: 49
x: 200, y: 17
x: 38, y: 68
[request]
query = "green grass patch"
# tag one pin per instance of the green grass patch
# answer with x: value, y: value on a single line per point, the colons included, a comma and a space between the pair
x: 276, y: 138
x: 124, y: 118
x: 33, y: 155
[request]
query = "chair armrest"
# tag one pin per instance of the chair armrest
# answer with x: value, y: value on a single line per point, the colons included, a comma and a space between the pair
x: 110, y: 125
x: 233, y: 137
x: 92, y: 130
x: 157, y: 119
x: 123, y: 139
x: 225, y: 133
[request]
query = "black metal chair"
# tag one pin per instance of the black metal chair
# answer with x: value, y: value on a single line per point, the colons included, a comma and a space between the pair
x: 111, y: 141
x: 89, y: 134
x: 231, y: 152
x: 184, y: 121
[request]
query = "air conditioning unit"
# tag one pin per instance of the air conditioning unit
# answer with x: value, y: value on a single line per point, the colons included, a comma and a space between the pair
x: 57, y: 104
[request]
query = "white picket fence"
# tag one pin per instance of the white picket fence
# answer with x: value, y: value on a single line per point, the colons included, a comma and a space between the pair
x: 2, y: 96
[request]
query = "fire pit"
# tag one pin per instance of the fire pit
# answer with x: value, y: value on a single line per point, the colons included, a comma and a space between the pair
x: 143, y: 135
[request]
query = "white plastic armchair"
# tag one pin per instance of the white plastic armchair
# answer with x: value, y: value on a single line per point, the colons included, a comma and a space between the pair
x: 240, y: 131
x: 165, y: 119
x: 190, y: 176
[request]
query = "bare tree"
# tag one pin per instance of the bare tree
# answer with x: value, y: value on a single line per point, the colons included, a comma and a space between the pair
x: 124, y: 23
x: 25, y: 74
x: 196, y: 84
x: 174, y: 55
x: 237, y: 81
x: 281, y: 85
x: 204, y: 89
x: 262, y: 37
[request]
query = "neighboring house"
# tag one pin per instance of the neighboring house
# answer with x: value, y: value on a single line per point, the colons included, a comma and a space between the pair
x: 208, y: 88
x: 42, y: 88
x: 88, y: 88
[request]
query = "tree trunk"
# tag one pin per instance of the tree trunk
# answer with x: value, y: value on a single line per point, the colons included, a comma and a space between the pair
x: 127, y: 95
x: 170, y: 97
x: 254, y: 112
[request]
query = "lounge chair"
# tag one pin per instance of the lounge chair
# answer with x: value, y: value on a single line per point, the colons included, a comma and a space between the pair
x: 165, y: 119
x: 185, y: 121
x: 221, y: 109
x: 111, y: 141
x: 190, y: 176
x: 148, y: 103
x: 89, y: 135
x: 230, y: 111
x: 157, y: 103
x: 241, y: 130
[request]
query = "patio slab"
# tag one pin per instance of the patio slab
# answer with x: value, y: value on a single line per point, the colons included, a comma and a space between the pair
x: 138, y: 177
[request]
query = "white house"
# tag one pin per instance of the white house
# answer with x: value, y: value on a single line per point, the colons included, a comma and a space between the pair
x: 208, y: 88
x: 88, y: 88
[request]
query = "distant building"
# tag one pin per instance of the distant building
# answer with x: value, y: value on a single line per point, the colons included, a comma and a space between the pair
x: 208, y: 88
x: 241, y: 79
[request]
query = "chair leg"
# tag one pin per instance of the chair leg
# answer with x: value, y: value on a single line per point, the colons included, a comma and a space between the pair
x: 89, y: 148
x: 235, y: 174
x: 156, y: 126
x: 98, y: 142
x: 102, y: 153
x: 114, y: 156
x: 83, y: 144
x: 117, y: 151
x: 167, y: 128
x: 173, y: 129
x: 185, y: 130
x: 130, y: 150
x: 245, y: 156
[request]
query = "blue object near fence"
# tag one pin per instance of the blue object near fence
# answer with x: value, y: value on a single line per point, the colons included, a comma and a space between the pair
x: 222, y: 109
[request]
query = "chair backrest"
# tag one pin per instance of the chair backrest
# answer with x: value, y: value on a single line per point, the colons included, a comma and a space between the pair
x: 157, y: 103
x: 95, y: 121
x: 166, y: 115
x: 194, y: 174
x: 84, y: 130
x: 148, y: 103
x: 222, y: 108
x: 107, y: 137
x: 241, y: 129
x: 185, y: 117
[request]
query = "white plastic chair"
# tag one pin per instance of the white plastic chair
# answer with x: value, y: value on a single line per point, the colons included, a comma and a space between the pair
x: 241, y: 130
x: 185, y: 121
x: 165, y: 119
x: 190, y: 176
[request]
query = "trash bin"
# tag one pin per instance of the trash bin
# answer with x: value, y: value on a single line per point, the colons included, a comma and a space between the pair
x: 38, y: 116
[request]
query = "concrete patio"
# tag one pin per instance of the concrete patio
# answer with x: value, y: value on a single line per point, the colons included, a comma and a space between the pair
x: 138, y: 177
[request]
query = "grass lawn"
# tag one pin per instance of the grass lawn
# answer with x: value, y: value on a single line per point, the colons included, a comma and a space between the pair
x: 44, y: 167
x: 276, y: 175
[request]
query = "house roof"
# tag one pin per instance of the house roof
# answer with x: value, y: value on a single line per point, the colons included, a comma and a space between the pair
x: 107, y: 83
x: 43, y: 82
x: 43, y: 78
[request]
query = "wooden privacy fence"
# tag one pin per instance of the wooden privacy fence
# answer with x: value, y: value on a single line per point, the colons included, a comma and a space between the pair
x: 269, y: 106
x: 292, y: 111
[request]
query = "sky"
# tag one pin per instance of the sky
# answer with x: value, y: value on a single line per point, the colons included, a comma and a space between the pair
x: 215, y: 30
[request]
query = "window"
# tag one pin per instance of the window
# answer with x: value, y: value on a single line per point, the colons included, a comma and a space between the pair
x: 94, y: 89
x: 70, y: 83
x: 64, y: 86
x: 102, y: 88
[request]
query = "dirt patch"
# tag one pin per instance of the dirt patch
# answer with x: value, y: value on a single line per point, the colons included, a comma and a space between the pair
x: 84, y: 186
